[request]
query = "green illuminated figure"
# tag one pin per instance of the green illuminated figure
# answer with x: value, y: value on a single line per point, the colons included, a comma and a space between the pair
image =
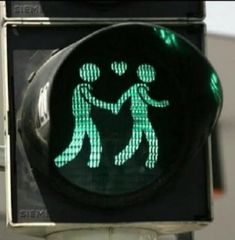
x: 82, y: 100
x: 139, y: 110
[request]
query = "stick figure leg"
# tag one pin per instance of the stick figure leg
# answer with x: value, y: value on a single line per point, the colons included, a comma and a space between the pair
x: 95, y: 144
x: 131, y: 147
x: 153, y: 146
x: 73, y: 149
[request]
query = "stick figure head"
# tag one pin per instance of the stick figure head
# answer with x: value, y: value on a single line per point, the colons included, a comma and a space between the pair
x: 146, y: 73
x: 89, y: 72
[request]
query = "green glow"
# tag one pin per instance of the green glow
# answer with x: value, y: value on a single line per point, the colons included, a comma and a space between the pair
x: 141, y: 123
x: 167, y: 36
x: 119, y: 67
x: 215, y: 87
x: 82, y: 100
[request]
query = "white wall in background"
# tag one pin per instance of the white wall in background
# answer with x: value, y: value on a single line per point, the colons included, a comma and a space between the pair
x: 220, y: 17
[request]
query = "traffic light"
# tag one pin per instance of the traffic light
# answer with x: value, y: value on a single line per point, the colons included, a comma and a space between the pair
x: 114, y: 115
x: 109, y: 125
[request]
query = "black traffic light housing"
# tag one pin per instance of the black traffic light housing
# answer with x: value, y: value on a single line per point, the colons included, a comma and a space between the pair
x: 107, y: 11
x: 193, y: 212
x: 34, y: 198
x: 47, y: 122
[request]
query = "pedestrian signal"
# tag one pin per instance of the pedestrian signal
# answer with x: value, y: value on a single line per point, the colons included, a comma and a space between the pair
x: 111, y: 119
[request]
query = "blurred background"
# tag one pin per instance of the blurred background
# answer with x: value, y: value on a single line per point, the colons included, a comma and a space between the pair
x: 220, y: 20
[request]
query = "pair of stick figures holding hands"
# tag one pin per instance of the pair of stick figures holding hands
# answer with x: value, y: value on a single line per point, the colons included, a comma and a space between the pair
x: 83, y: 100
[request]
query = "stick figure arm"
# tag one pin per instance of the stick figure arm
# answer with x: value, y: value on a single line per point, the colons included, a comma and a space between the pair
x: 144, y: 95
x: 122, y: 99
x: 94, y: 101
